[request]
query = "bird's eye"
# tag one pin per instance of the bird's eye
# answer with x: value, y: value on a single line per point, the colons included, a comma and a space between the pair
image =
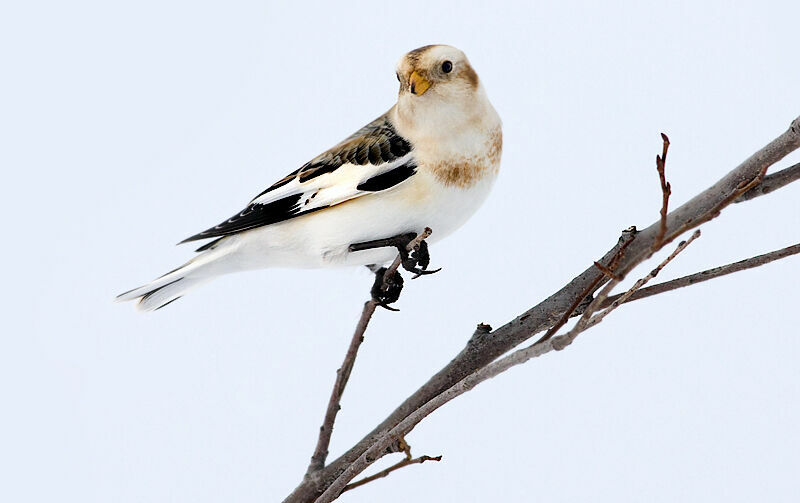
x: 447, y: 67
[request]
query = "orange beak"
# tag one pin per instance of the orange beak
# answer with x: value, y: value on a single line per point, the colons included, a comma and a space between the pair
x: 417, y: 84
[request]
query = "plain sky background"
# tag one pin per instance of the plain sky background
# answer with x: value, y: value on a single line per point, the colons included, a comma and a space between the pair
x: 125, y: 127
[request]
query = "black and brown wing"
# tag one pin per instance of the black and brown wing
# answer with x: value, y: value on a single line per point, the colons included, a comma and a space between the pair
x: 373, y: 159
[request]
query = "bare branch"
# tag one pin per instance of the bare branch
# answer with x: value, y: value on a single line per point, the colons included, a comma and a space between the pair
x: 587, y: 320
x: 772, y: 183
x: 383, y: 473
x: 643, y: 281
x: 477, y: 357
x: 627, y: 237
x: 343, y: 373
x: 666, y: 190
x: 699, y: 277
x: 518, y: 357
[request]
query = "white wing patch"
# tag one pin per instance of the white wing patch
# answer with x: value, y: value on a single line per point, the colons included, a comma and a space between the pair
x: 331, y: 188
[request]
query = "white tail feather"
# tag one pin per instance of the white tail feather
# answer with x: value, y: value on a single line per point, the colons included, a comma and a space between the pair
x: 173, y: 285
x: 162, y: 296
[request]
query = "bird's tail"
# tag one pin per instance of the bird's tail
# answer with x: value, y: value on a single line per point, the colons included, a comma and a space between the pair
x: 176, y: 283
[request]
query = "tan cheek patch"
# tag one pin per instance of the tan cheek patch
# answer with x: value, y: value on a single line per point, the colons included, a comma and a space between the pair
x: 471, y: 76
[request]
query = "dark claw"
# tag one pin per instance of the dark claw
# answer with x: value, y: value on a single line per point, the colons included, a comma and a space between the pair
x: 423, y: 273
x: 417, y: 261
x: 421, y: 255
x: 388, y: 292
x: 387, y: 306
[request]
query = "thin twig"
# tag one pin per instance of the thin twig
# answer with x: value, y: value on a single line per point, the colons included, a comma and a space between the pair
x: 565, y: 340
x: 666, y: 190
x: 343, y: 373
x: 741, y: 188
x: 383, y: 473
x: 629, y: 235
x: 699, y: 277
x: 643, y: 281
x: 587, y: 320
x: 772, y: 182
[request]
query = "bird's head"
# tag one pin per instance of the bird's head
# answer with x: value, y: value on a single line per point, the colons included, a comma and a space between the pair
x: 439, y: 71
x: 439, y: 91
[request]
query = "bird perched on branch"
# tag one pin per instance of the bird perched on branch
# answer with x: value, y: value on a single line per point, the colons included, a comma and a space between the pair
x: 429, y: 161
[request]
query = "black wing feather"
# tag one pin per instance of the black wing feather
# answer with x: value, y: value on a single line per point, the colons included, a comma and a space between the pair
x: 389, y: 178
x: 376, y: 143
x: 255, y: 215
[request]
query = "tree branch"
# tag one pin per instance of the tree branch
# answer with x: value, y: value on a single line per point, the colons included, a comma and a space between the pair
x: 383, y: 473
x: 475, y: 359
x: 771, y: 183
x: 587, y: 320
x: 699, y: 277
x: 518, y: 357
x: 343, y: 373
x: 608, y: 273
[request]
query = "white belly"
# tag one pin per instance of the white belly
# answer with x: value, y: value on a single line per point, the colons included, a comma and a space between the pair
x: 322, y: 238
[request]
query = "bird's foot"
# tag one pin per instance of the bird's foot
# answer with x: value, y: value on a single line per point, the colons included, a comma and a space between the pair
x: 416, y: 260
x: 385, y: 290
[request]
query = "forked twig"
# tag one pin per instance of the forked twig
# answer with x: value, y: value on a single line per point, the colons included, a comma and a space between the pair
x: 743, y: 187
x: 589, y: 319
x: 628, y: 236
x: 383, y: 473
x: 491, y: 370
x: 343, y: 373
x: 643, y: 281
x: 772, y: 182
x: 699, y: 277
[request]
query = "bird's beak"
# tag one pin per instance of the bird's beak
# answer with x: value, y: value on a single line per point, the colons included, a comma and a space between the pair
x: 417, y: 84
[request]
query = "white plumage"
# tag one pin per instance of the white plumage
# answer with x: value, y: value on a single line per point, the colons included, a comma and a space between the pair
x: 430, y: 161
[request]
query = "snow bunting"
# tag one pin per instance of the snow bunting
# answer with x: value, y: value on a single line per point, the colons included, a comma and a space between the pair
x: 429, y: 161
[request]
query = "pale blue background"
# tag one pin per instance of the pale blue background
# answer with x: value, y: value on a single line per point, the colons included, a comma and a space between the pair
x: 126, y: 127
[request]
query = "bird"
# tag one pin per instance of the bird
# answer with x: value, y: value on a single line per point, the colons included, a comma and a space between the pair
x: 429, y: 162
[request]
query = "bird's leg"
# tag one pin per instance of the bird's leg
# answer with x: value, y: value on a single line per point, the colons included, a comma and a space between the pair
x: 401, y: 240
x: 416, y: 261
x: 385, y: 290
